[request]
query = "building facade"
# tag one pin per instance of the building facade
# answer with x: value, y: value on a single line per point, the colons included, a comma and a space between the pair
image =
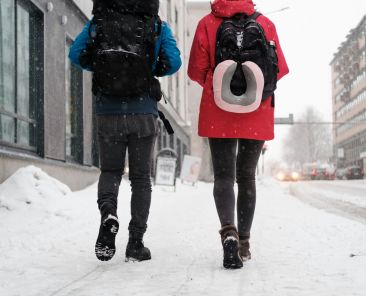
x: 174, y: 12
x: 199, y: 146
x: 46, y: 104
x: 348, y: 69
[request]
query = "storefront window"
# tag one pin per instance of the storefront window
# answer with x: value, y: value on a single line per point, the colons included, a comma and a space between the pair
x: 21, y: 72
x: 7, y: 66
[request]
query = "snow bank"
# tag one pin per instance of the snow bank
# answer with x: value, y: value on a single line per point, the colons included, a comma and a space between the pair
x: 30, y: 187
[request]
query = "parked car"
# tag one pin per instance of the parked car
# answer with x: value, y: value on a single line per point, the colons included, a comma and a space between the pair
x: 323, y: 172
x: 354, y: 172
x: 307, y: 169
x: 341, y: 174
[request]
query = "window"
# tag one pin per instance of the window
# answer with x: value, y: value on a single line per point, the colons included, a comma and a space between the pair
x: 176, y: 24
x: 170, y: 90
x: 169, y: 11
x: 73, y: 110
x: 164, y: 135
x: 179, y: 153
x: 21, y: 74
x: 160, y: 135
x: 171, y: 142
x: 178, y: 103
x: 185, y: 149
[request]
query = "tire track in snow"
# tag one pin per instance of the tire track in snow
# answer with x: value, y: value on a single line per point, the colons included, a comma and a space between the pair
x: 338, y: 207
x: 78, y: 280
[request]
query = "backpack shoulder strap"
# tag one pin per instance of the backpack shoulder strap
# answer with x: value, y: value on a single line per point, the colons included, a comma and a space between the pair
x: 158, y: 25
x: 254, y: 16
x: 92, y: 28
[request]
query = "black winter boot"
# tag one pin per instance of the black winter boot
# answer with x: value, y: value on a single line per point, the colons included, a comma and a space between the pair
x: 136, y: 251
x: 105, y: 247
x: 230, y: 244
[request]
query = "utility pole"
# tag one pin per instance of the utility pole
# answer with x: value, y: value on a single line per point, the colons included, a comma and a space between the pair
x: 280, y: 120
x: 264, y: 149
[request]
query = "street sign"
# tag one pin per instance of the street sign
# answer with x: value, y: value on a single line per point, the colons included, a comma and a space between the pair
x: 285, y: 120
x: 165, y: 171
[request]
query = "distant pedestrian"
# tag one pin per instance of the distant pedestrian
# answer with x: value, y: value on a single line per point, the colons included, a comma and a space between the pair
x: 237, y: 58
x: 125, y: 45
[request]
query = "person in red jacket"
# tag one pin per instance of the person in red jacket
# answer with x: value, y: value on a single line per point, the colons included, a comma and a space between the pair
x: 236, y: 139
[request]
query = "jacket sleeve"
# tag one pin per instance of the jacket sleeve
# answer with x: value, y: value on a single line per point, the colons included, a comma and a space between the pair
x: 78, y: 50
x: 168, y: 60
x: 199, y: 60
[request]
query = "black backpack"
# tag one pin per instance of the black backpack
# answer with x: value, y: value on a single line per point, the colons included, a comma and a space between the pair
x: 124, y: 35
x: 242, y: 39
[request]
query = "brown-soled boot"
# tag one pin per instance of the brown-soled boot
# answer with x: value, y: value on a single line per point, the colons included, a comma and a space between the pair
x: 230, y: 244
x: 244, y: 250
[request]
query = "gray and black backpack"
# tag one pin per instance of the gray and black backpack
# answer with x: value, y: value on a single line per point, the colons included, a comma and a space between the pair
x: 241, y: 38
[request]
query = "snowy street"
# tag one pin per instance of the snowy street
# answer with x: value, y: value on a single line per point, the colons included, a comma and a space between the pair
x: 343, y: 198
x: 48, y: 235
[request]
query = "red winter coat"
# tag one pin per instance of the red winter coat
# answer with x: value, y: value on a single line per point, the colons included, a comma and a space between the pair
x: 213, y: 121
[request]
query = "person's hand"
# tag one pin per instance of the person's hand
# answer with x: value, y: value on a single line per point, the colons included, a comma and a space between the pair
x: 162, y: 65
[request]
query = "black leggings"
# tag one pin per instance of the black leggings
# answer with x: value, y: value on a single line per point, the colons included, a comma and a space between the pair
x: 238, y: 157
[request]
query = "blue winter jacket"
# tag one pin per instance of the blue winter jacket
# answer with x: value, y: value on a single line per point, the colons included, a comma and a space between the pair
x: 165, y: 45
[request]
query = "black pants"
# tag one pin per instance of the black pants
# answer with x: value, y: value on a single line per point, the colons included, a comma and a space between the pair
x: 230, y: 158
x: 116, y: 134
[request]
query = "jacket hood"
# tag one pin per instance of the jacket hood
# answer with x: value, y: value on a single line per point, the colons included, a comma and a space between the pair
x: 150, y: 7
x: 228, y: 8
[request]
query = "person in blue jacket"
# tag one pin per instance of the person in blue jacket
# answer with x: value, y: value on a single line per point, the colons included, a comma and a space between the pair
x: 126, y: 122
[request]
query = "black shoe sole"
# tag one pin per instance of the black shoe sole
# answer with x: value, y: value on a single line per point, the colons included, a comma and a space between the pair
x: 105, y: 247
x: 231, y: 255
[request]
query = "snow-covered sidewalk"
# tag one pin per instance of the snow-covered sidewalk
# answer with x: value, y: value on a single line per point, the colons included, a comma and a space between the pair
x: 48, y: 235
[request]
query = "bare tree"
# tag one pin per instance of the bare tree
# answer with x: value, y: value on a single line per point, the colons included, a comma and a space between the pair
x: 309, y: 140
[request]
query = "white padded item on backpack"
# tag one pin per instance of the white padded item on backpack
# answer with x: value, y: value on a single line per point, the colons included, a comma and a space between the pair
x: 225, y: 99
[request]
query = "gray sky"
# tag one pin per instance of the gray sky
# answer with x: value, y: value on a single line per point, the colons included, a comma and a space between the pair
x: 310, y: 33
